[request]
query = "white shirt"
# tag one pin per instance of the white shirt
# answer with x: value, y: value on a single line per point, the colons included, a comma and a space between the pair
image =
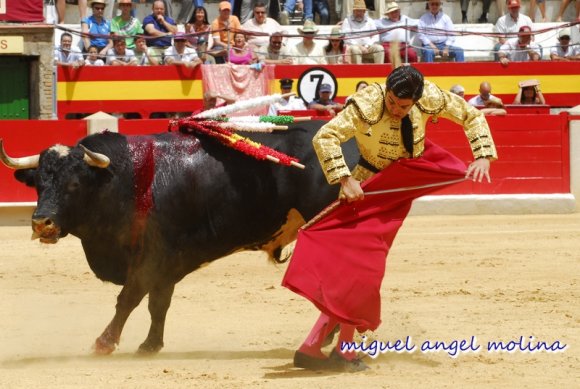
x: 477, y: 100
x: 365, y: 28
x: 189, y: 54
x: 269, y: 26
x: 507, y: 24
x: 73, y: 55
x: 301, y: 56
x: 514, y: 53
x: 440, y: 21
x: 294, y: 103
x: 399, y: 34
x: 128, y: 57
x: 571, y: 52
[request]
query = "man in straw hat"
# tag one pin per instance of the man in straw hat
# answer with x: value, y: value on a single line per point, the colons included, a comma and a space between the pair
x: 362, y: 41
x: 308, y: 52
x: 396, y: 27
x: 339, y: 259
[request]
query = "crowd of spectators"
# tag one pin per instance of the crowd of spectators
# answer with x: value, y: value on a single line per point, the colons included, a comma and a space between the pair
x: 258, y: 38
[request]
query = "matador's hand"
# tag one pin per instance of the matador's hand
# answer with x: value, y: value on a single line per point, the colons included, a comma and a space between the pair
x: 478, y: 169
x: 351, y: 190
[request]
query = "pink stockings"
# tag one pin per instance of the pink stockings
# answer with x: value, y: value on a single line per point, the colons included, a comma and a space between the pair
x: 323, y: 327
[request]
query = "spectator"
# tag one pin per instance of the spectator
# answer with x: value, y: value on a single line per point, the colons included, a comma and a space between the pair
x: 159, y: 28
x: 93, y: 57
x: 321, y: 8
x: 324, y: 103
x: 180, y: 54
x: 126, y: 25
x: 563, y: 5
x: 336, y: 48
x: 222, y: 27
x: 289, y: 5
x: 511, y: 22
x: 287, y: 103
x: 240, y: 53
x: 260, y: 23
x: 60, y: 6
x: 120, y: 55
x: 243, y: 9
x: 541, y: 4
x: 563, y: 51
x: 96, y: 28
x: 145, y: 55
x: 361, y: 42
x: 65, y: 55
x: 359, y: 86
x: 458, y: 90
x: 394, y: 27
x: 275, y: 52
x: 374, y: 7
x: 187, y: 10
x: 433, y: 26
x: 308, y: 52
x: 529, y: 93
x: 490, y: 104
x: 519, y: 49
x: 199, y: 36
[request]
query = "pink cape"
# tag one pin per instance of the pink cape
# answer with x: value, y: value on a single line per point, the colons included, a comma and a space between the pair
x: 339, y: 262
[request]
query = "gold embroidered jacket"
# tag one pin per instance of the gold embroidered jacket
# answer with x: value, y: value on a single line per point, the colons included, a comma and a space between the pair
x: 379, y: 137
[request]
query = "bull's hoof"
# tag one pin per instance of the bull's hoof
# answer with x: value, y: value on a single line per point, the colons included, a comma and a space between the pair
x: 147, y: 348
x: 103, y: 346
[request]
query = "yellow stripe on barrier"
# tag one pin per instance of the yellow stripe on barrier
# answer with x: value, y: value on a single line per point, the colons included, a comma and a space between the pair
x: 130, y: 90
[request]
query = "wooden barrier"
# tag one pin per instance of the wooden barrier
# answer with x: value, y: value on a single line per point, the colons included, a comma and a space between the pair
x: 534, y: 151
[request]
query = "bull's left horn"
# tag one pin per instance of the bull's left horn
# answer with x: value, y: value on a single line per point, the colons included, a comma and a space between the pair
x: 95, y: 159
x: 18, y: 163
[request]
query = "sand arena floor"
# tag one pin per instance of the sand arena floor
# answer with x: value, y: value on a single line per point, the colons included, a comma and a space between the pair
x: 231, y: 325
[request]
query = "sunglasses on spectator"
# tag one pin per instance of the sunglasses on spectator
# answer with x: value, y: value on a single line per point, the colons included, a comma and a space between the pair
x: 259, y: 12
x: 435, y: 4
x: 99, y: 8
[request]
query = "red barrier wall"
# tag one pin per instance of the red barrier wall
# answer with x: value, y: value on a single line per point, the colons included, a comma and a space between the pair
x: 533, y: 149
x: 149, y: 89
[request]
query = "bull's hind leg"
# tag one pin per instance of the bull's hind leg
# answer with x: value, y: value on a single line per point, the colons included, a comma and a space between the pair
x: 159, y: 301
x: 130, y: 296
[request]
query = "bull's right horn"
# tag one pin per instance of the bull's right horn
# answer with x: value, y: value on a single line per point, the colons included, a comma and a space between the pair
x: 30, y: 162
x: 95, y: 159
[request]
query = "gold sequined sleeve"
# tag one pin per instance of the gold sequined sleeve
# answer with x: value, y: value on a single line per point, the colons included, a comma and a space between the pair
x: 473, y: 121
x: 327, y: 142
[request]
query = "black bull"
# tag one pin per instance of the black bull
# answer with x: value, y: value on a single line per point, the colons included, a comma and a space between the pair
x: 168, y: 203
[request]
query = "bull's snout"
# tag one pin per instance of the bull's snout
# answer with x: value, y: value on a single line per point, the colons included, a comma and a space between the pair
x: 45, y: 229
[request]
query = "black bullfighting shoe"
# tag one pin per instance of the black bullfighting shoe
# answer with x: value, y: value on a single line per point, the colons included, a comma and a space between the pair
x: 305, y: 361
x: 339, y: 363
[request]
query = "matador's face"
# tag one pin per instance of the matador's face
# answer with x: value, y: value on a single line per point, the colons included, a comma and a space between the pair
x: 398, y: 108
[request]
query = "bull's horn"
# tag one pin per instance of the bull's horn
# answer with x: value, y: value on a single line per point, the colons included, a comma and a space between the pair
x: 95, y: 159
x: 18, y: 163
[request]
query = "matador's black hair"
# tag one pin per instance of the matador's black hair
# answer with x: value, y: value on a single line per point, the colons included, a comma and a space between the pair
x: 406, y: 82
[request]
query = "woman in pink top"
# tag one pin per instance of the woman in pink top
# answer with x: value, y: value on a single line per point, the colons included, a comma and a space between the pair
x: 240, y: 53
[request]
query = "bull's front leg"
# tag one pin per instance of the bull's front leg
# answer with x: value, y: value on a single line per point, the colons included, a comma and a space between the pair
x: 131, y: 295
x: 159, y: 301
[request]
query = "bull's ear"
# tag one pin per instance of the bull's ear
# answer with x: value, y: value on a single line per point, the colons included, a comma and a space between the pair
x: 26, y: 176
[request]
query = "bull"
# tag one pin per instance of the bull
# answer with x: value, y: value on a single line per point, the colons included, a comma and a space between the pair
x: 151, y: 209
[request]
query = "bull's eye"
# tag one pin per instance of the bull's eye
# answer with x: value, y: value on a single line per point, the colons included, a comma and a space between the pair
x: 73, y: 186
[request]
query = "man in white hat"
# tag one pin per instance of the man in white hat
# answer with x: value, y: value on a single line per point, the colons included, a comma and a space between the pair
x: 308, y: 52
x: 563, y: 51
x: 360, y: 41
x: 396, y: 27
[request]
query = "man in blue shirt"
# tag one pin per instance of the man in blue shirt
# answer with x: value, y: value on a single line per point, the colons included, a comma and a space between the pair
x: 159, y: 28
x: 436, y: 34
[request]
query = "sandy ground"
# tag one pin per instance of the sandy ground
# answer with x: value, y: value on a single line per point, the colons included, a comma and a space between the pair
x: 231, y: 325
